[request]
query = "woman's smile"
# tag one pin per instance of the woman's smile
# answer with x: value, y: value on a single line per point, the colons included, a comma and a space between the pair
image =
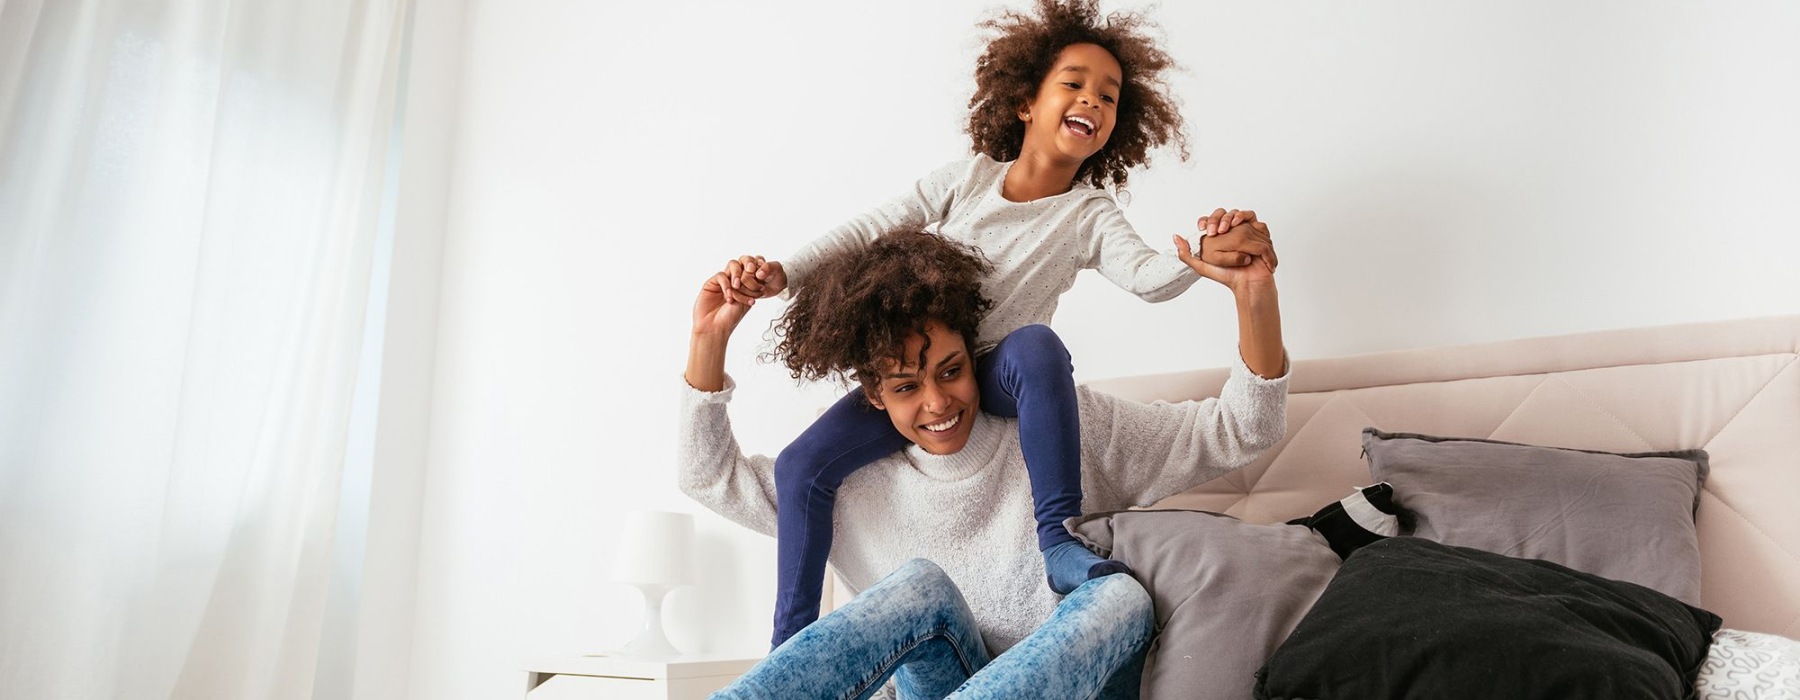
x: 946, y: 425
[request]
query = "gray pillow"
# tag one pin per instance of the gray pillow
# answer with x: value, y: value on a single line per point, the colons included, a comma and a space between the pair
x: 1628, y: 517
x: 1226, y: 592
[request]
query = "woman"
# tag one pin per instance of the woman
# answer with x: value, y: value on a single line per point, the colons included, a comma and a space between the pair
x: 900, y: 317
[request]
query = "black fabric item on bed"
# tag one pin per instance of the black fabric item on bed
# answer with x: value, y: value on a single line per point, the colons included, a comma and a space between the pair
x: 1410, y: 618
x: 1341, y: 530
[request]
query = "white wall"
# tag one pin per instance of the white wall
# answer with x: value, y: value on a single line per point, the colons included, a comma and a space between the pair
x: 1433, y: 172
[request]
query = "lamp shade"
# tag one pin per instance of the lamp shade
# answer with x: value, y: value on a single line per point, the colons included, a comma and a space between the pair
x: 655, y: 548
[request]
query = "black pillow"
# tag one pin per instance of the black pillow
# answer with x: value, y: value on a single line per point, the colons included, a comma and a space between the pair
x: 1406, y: 617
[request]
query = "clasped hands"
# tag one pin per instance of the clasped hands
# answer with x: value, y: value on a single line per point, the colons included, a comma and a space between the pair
x: 1235, y: 248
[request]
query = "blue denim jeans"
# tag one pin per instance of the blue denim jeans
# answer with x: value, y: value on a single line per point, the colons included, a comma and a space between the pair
x: 915, y: 626
x: 1028, y: 376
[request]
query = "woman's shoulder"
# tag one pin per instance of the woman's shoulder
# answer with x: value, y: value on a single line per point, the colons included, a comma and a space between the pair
x: 1095, y: 406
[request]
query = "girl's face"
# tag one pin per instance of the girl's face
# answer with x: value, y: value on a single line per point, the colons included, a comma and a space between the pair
x: 1076, y: 105
x: 933, y: 406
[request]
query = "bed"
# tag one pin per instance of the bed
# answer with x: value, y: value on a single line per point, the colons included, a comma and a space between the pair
x: 1729, y: 388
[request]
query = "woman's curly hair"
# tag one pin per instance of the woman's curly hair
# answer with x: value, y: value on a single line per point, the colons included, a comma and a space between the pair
x: 1020, y: 53
x: 854, y: 311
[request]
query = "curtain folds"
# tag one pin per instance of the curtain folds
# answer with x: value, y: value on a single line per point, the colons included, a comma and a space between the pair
x: 190, y: 194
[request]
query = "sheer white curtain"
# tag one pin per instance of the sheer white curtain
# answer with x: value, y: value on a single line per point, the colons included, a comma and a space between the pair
x: 190, y: 194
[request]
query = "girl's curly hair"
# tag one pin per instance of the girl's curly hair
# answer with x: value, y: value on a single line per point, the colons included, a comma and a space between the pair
x: 854, y: 311
x: 1020, y: 53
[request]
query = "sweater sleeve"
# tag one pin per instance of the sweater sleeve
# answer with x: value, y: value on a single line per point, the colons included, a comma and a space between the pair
x: 1122, y: 257
x: 713, y: 469
x: 1135, y: 454
x: 927, y: 203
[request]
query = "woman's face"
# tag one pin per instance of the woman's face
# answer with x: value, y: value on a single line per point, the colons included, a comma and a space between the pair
x: 934, y: 406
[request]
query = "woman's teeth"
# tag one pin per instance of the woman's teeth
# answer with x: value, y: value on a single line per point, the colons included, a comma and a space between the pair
x: 946, y: 425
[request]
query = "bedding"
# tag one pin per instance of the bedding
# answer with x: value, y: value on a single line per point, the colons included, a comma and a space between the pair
x: 1623, y: 516
x: 1731, y: 388
x: 1744, y: 665
x: 1411, y: 618
x: 1226, y: 592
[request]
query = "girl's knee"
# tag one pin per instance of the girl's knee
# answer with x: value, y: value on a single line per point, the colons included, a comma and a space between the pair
x: 798, y: 464
x: 1038, y: 335
x: 1036, y: 346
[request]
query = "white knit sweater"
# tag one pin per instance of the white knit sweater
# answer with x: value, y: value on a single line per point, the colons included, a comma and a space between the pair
x: 1036, y: 247
x: 971, y: 512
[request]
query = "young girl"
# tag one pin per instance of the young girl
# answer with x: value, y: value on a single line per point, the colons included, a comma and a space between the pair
x: 1066, y: 103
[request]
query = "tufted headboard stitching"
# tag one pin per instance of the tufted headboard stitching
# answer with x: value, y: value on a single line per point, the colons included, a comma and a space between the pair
x: 1732, y: 388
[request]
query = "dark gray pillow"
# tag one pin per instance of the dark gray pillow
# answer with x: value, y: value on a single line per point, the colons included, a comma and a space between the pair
x: 1410, y: 618
x: 1628, y: 517
x: 1226, y: 592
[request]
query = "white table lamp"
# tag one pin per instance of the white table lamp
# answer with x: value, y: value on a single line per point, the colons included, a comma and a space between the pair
x: 656, y: 556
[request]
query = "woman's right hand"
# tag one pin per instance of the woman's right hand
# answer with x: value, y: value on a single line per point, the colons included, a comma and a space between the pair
x: 719, y: 310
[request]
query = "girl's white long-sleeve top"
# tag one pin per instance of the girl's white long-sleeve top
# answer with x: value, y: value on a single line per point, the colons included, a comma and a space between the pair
x: 1036, y: 247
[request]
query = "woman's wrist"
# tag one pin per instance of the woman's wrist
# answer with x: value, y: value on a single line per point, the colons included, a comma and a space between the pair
x: 717, y: 336
x: 1252, y: 296
x: 1259, y: 328
x: 706, y: 361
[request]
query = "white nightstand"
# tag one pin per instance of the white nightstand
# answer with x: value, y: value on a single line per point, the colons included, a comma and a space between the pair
x: 690, y: 677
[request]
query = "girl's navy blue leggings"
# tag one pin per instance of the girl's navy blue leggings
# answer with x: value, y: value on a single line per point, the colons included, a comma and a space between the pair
x: 1028, y: 376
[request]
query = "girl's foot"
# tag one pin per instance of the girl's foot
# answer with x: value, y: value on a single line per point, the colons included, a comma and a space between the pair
x: 1069, y: 565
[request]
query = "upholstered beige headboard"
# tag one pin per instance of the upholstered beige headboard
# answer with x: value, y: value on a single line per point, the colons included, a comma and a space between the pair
x: 1732, y: 388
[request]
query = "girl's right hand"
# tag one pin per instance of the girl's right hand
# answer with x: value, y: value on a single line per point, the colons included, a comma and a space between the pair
x: 753, y: 277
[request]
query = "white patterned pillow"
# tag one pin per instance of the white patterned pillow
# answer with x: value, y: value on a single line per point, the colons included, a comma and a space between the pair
x: 1750, y: 665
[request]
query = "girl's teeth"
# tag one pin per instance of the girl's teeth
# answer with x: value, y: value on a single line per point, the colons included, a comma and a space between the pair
x: 946, y: 425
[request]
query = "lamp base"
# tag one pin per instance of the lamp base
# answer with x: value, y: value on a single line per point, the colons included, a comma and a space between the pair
x: 651, y: 643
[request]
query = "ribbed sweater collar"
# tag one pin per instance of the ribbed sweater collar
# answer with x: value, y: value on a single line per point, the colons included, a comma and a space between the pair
x: 986, y: 437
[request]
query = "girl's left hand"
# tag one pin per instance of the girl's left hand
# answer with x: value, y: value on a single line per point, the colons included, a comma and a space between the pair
x: 1251, y: 239
x: 1221, y: 221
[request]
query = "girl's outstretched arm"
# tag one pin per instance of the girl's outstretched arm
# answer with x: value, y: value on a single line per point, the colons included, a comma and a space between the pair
x: 926, y: 203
